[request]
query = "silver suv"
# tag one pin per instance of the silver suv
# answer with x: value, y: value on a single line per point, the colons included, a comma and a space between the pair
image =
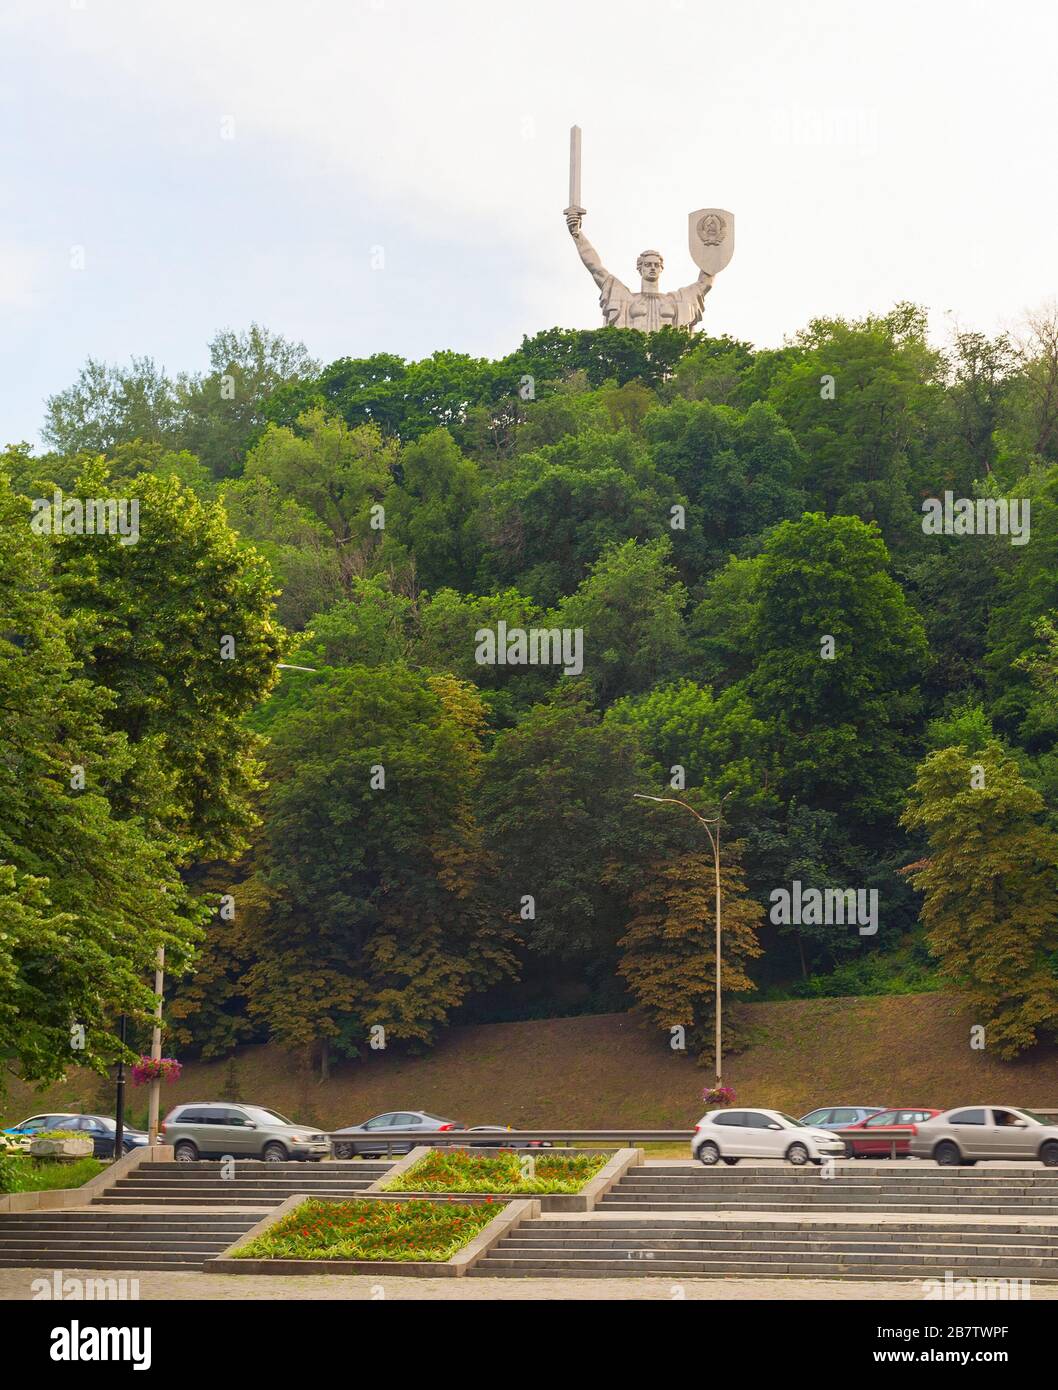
x: 218, y: 1129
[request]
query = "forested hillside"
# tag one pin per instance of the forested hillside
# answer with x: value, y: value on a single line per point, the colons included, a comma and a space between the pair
x: 745, y: 594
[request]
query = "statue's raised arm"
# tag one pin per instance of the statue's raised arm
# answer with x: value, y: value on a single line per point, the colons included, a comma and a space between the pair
x: 587, y: 252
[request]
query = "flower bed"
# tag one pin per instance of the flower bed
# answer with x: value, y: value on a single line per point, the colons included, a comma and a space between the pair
x: 505, y: 1172
x: 371, y: 1230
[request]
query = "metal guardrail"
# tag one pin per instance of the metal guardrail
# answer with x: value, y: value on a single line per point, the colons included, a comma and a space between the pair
x: 628, y: 1137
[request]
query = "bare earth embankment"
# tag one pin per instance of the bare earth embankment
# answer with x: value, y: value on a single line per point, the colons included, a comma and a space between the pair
x: 609, y: 1069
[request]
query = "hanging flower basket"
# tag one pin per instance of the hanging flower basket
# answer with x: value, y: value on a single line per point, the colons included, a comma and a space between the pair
x: 149, y: 1069
x: 719, y: 1095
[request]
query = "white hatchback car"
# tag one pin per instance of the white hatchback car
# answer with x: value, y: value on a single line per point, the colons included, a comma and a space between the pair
x: 731, y: 1134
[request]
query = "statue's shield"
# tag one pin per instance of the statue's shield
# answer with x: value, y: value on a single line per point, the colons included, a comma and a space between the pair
x: 711, y: 232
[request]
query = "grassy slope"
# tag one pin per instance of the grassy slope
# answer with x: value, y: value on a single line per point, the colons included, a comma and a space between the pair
x: 608, y: 1069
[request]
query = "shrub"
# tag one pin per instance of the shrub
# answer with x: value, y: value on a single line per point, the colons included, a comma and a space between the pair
x: 372, y: 1230
x: 506, y: 1171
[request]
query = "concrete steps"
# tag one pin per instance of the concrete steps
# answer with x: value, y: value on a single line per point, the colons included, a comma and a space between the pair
x: 924, y: 1191
x: 185, y: 1213
x: 246, y: 1183
x: 601, y: 1247
x: 82, y: 1238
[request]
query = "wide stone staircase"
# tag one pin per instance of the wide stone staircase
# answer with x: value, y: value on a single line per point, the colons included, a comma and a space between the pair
x: 910, y: 1188
x: 248, y: 1183
x: 171, y: 1215
x: 88, y: 1238
x: 599, y: 1246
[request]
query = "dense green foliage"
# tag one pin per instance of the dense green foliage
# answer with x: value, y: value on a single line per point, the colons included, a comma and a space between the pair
x: 730, y: 542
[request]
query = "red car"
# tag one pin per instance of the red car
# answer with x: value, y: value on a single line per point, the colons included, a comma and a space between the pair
x: 885, y: 1135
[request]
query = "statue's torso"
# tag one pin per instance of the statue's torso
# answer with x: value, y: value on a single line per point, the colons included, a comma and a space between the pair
x: 649, y: 312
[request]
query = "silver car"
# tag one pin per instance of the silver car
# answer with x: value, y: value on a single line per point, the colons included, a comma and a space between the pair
x: 370, y: 1140
x: 840, y: 1116
x: 217, y: 1129
x: 968, y: 1133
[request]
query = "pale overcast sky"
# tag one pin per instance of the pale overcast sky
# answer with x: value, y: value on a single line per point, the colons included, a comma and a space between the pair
x: 221, y: 161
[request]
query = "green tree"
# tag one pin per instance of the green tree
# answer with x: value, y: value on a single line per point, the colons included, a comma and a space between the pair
x: 334, y: 473
x: 668, y: 953
x: 223, y: 412
x: 990, y: 886
x: 556, y: 804
x: 715, y: 743
x: 630, y: 609
x: 737, y: 470
x: 86, y: 894
x: 431, y: 513
x: 369, y: 908
x: 863, y: 401
x: 180, y: 627
x: 838, y: 651
x: 557, y: 510
x: 110, y: 405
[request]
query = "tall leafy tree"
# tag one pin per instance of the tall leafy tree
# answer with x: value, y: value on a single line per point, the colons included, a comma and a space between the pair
x: 556, y: 805
x: 369, y: 910
x: 839, y: 650
x: 336, y: 474
x: 668, y: 951
x: 180, y: 627
x: 431, y: 513
x: 990, y: 891
x: 87, y: 894
x: 630, y: 609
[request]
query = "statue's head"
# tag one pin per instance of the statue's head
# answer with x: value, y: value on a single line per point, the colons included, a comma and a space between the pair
x: 650, y: 265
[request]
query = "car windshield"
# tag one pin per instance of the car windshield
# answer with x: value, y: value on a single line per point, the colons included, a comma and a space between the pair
x: 798, y: 1124
x: 1041, y: 1119
x: 266, y: 1117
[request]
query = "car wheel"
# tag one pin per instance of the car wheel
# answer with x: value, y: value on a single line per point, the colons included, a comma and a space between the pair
x: 709, y: 1154
x: 797, y: 1154
x: 947, y: 1154
x: 731, y: 1162
x: 343, y: 1151
x: 185, y: 1152
x: 1049, y: 1155
x: 274, y: 1153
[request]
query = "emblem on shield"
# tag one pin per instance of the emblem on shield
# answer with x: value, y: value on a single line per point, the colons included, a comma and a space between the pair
x: 711, y: 233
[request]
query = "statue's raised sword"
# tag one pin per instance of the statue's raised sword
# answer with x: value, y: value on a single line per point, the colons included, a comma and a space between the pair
x: 574, y: 171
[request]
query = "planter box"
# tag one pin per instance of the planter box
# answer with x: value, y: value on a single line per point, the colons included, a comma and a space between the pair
x: 511, y: 1212
x: 66, y: 1150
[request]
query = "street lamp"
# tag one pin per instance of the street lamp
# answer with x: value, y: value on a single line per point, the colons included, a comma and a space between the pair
x: 714, y: 840
x: 154, y: 1103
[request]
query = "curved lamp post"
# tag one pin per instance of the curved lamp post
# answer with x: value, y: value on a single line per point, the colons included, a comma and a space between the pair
x: 711, y: 826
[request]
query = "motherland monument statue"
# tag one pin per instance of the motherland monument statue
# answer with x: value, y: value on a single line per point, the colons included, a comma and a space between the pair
x: 711, y: 236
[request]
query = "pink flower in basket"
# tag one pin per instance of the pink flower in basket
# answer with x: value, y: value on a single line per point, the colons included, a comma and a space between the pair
x: 149, y: 1069
x: 719, y: 1095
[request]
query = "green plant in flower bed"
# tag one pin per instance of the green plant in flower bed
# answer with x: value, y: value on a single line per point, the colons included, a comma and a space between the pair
x: 20, y: 1173
x: 371, y: 1230
x: 507, y: 1172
